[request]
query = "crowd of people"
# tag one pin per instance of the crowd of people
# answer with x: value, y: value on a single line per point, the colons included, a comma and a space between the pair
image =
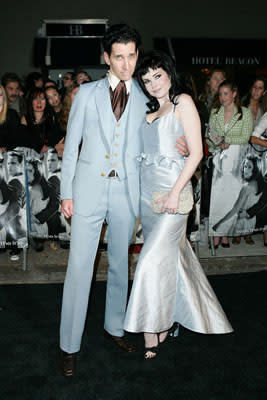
x: 35, y: 115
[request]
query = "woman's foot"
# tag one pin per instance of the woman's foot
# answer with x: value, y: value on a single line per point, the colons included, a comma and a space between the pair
x: 151, y: 345
x: 225, y: 243
x: 38, y: 245
x: 163, y: 336
x: 14, y: 254
x: 236, y: 240
x: 216, y: 241
x: 248, y: 239
x: 169, y: 333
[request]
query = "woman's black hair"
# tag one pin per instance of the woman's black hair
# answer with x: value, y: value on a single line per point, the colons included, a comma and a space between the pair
x: 158, y: 59
x: 38, y: 178
x: 30, y: 80
x: 256, y: 173
x: 35, y: 92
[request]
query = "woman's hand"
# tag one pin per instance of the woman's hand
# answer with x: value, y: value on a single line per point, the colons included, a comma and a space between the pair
x: 60, y: 147
x: 169, y: 203
x: 43, y: 149
x: 67, y: 208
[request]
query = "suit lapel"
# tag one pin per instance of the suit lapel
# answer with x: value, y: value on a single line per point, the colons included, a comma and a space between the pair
x: 105, y: 114
x: 134, y: 110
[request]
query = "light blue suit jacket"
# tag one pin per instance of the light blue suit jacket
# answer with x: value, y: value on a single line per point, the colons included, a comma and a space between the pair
x: 91, y: 121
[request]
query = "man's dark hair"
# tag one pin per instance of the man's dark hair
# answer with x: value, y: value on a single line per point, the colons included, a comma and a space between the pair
x: 10, y: 77
x: 120, y: 33
x: 159, y: 59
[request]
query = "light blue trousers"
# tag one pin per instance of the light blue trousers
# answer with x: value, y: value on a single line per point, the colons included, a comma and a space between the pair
x: 85, y: 233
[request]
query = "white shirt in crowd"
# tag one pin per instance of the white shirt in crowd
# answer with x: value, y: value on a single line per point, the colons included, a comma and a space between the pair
x: 261, y: 127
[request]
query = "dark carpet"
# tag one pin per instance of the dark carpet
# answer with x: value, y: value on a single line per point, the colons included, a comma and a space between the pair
x: 210, y: 367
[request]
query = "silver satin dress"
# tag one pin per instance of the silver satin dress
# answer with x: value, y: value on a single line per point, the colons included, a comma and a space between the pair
x: 169, y: 284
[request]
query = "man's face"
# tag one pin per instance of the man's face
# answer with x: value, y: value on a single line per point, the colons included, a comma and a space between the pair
x: 12, y: 91
x: 52, y: 162
x: 122, y: 60
x: 13, y: 166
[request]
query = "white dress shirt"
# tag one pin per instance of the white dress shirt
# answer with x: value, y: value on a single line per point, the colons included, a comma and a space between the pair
x: 114, y: 81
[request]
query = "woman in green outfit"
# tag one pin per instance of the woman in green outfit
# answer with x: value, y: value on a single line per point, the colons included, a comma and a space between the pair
x: 233, y: 126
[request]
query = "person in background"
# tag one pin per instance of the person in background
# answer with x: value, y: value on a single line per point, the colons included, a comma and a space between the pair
x: 215, y: 78
x: 234, y: 125
x: 64, y: 117
x: 68, y: 83
x: 259, y: 138
x: 81, y: 77
x: 33, y: 79
x: 9, y: 124
x: 12, y: 85
x: 254, y: 99
x: 13, y: 194
x: 54, y: 99
x: 40, y: 130
x: 50, y: 83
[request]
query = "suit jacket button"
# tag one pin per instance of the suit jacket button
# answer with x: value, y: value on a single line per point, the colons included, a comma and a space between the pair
x: 103, y: 174
x: 107, y: 156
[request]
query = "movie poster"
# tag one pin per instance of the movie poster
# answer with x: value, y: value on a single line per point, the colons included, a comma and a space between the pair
x: 239, y: 192
x: 43, y: 178
x: 13, y: 217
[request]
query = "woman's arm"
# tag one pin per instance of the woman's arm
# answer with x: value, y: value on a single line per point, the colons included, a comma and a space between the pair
x: 187, y: 113
x: 257, y: 140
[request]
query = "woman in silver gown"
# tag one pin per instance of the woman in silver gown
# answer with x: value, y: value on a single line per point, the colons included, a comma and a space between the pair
x: 169, y: 285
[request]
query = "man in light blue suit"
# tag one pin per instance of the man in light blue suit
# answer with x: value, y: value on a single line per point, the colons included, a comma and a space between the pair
x: 103, y: 182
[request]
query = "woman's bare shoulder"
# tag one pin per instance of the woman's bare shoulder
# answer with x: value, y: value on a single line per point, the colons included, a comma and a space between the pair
x: 184, y: 99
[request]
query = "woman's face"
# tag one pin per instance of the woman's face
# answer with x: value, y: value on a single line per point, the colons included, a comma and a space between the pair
x: 157, y: 83
x: 226, y: 96
x: 215, y: 80
x: 39, y: 82
x: 257, y: 90
x: 2, y: 99
x: 39, y: 103
x: 82, y: 77
x: 248, y: 169
x: 53, y: 97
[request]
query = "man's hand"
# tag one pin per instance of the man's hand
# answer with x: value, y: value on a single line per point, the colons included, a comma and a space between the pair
x: 60, y: 147
x: 67, y: 208
x: 182, y: 146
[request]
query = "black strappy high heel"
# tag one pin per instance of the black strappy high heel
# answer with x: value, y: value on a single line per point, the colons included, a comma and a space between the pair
x: 154, y: 349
